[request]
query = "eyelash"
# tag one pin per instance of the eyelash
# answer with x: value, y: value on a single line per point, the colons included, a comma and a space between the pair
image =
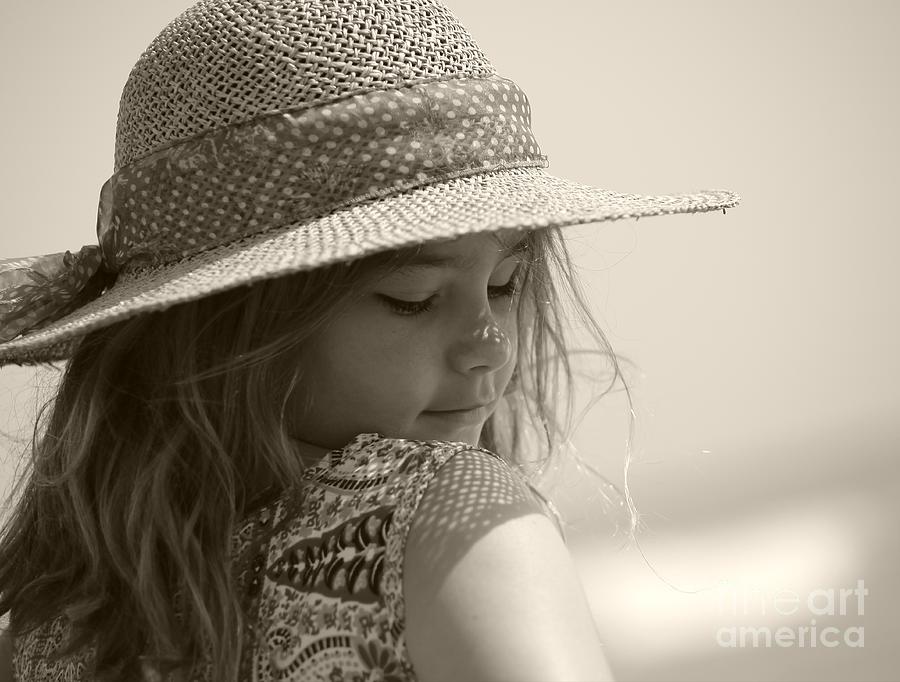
x: 413, y: 308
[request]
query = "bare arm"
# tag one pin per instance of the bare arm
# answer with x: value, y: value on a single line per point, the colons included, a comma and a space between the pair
x: 490, y: 589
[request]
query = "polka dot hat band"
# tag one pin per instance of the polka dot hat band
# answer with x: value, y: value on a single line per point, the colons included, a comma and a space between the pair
x: 256, y: 139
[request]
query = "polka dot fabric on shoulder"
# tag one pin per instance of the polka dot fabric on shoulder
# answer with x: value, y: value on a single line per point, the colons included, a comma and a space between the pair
x: 299, y: 164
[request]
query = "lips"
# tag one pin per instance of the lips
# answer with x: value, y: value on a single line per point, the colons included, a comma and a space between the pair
x: 468, y: 407
x: 464, y: 409
x: 462, y: 417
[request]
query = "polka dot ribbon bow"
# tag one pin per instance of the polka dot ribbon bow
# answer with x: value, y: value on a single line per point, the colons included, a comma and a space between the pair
x: 38, y: 290
x: 279, y: 169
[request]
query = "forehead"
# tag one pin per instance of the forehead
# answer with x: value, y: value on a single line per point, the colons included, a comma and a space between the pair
x: 461, y: 253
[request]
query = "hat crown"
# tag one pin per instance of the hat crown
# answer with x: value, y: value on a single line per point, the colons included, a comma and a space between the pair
x: 224, y: 62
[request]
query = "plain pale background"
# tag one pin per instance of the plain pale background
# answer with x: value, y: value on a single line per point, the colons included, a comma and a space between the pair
x: 767, y: 338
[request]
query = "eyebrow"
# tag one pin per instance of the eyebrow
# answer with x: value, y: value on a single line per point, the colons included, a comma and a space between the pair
x: 416, y: 261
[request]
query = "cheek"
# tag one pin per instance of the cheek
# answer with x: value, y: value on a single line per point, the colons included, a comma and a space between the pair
x: 361, y: 362
x: 511, y: 328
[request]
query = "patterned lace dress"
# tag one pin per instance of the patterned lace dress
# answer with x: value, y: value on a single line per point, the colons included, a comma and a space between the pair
x: 319, y: 572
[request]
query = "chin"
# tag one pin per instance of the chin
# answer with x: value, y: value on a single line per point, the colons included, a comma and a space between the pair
x: 462, y: 435
x: 431, y: 429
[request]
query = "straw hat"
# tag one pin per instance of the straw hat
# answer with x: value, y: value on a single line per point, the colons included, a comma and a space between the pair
x: 259, y: 138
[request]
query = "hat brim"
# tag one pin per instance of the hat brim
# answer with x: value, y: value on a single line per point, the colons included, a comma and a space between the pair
x: 525, y: 198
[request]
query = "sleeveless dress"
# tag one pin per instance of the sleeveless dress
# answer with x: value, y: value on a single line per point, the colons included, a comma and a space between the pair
x: 319, y: 572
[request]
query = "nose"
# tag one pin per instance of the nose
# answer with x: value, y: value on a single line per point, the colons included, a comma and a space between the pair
x: 484, y: 345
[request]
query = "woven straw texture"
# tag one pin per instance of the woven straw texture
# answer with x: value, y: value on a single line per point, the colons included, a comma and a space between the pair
x: 229, y: 65
x: 226, y: 62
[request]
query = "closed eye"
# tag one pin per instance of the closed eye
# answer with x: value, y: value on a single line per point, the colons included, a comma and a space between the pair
x: 408, y: 308
x: 412, y: 308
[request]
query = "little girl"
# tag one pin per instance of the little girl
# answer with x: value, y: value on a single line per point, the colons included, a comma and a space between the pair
x: 305, y: 362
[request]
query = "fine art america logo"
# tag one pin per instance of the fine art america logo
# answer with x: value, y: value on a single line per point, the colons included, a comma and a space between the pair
x: 818, y: 611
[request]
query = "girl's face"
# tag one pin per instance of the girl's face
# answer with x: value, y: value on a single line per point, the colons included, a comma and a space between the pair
x: 425, y: 352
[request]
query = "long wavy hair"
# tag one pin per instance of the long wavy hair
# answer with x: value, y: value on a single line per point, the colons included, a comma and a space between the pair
x: 167, y: 428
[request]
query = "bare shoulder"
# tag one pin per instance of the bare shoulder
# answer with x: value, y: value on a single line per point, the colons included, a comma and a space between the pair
x: 491, y: 591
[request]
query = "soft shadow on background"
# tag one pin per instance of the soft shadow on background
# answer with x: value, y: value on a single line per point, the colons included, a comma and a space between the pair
x: 767, y: 394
